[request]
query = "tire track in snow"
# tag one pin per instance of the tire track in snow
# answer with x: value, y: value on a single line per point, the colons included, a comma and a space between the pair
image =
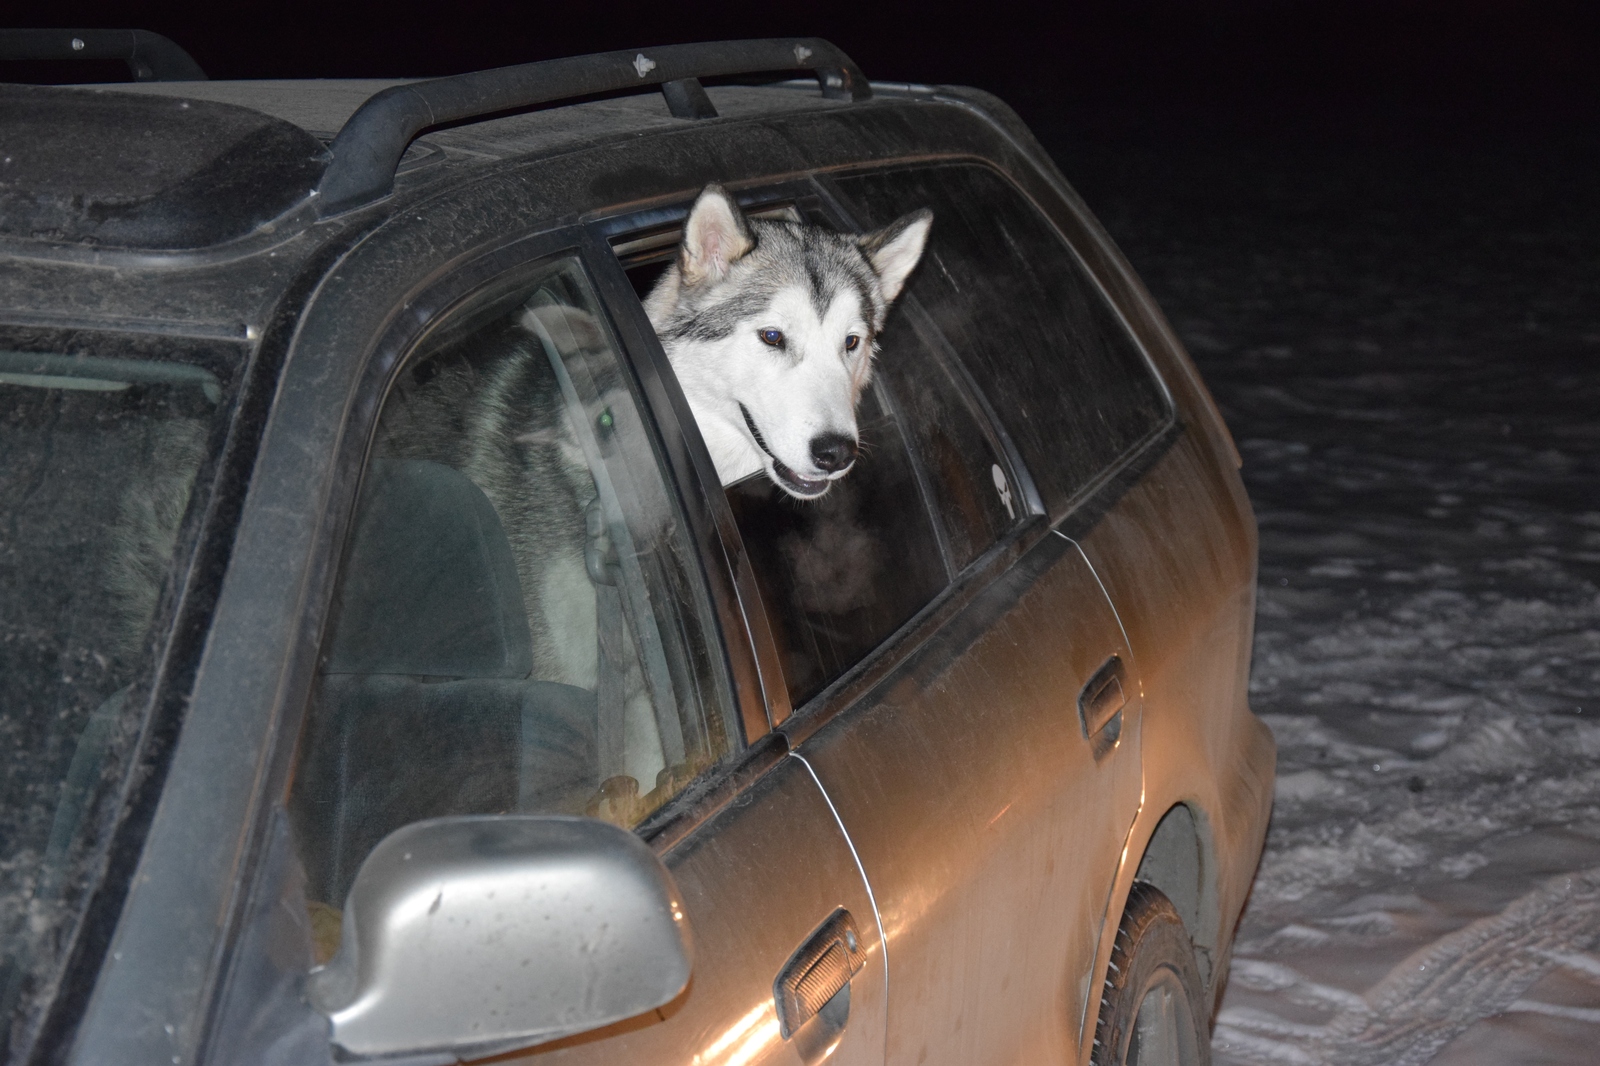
x: 1435, y: 994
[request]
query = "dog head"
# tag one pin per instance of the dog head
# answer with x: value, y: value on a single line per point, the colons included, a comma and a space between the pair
x: 771, y: 327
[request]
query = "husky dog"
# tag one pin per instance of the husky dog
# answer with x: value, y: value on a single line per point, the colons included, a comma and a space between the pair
x: 770, y: 327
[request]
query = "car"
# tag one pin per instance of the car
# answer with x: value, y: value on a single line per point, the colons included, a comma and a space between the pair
x: 387, y: 676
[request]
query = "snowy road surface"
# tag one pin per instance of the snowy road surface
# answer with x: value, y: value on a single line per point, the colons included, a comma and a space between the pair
x: 1407, y: 348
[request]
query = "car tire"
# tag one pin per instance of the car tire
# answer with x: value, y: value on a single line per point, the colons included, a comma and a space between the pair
x: 1152, y: 1009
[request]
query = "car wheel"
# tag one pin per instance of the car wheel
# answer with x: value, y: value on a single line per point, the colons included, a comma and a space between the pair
x: 1152, y: 1007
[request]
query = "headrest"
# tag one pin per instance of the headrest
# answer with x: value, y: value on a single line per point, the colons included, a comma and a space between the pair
x: 430, y: 586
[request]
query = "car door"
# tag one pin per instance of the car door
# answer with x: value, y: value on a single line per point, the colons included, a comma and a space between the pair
x: 990, y: 780
x: 990, y: 825
x: 529, y: 611
x: 960, y: 686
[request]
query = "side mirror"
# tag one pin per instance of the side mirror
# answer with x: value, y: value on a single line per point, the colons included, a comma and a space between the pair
x: 490, y: 933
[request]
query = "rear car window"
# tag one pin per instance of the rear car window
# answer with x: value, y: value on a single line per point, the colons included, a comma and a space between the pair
x: 1054, y: 360
x: 102, y: 452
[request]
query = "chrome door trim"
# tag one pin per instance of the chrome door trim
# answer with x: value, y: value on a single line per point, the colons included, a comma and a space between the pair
x: 877, y: 917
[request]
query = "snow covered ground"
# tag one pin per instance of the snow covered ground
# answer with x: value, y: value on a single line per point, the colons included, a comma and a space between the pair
x: 1407, y: 347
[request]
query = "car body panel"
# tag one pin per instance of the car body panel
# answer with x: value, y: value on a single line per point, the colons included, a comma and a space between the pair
x: 1178, y: 554
x: 1193, y: 660
x: 756, y: 880
x: 989, y: 826
x: 964, y: 788
x: 566, y: 170
x: 316, y: 105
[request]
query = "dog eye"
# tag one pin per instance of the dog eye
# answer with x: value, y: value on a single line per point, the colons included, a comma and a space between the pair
x: 852, y: 342
x: 774, y: 337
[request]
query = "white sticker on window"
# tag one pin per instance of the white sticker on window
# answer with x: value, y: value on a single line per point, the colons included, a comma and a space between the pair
x: 1003, y: 487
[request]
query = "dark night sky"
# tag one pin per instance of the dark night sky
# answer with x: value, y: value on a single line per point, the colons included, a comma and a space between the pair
x: 1279, y: 71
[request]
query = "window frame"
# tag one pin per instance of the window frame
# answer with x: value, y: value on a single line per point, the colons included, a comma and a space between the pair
x: 682, y: 480
x: 846, y: 216
x: 1085, y: 507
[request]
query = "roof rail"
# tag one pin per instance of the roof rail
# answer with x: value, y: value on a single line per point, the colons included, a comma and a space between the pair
x: 150, y: 56
x: 368, y: 148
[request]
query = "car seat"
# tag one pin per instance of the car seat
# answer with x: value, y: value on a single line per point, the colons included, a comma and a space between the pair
x: 424, y: 705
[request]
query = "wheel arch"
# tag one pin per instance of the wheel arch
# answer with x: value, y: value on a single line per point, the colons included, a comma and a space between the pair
x: 1179, y: 860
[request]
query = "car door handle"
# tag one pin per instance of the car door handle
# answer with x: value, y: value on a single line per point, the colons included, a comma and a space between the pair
x: 817, y: 972
x: 1103, y: 696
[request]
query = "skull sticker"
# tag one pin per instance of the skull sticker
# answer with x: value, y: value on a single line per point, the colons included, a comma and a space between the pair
x: 1003, y: 487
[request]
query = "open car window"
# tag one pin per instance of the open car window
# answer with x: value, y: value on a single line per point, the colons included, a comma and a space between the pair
x: 518, y: 625
x: 928, y: 494
x: 840, y: 574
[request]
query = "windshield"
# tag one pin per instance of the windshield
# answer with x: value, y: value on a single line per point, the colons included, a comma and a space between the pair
x: 98, y: 463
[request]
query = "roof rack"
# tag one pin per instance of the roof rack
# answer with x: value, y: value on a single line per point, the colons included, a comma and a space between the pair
x: 368, y: 148
x: 150, y: 56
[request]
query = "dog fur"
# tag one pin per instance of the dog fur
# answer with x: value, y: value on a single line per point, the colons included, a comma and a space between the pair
x: 771, y: 328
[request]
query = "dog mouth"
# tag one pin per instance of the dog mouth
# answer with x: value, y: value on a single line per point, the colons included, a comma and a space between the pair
x: 807, y: 488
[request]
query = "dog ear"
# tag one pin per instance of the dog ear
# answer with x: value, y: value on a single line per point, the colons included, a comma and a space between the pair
x: 715, y: 236
x: 895, y: 249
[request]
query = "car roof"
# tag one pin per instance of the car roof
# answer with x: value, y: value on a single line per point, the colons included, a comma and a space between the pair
x: 123, y: 170
x: 179, y: 166
x: 319, y: 106
x: 213, y: 261
x: 185, y: 165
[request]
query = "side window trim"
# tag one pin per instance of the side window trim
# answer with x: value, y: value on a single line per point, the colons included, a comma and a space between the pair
x: 919, y: 472
x: 658, y: 678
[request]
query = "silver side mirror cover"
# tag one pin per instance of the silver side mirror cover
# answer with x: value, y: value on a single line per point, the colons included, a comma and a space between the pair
x: 473, y: 935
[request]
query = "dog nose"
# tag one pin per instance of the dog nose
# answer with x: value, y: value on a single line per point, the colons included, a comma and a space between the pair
x: 833, y: 452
